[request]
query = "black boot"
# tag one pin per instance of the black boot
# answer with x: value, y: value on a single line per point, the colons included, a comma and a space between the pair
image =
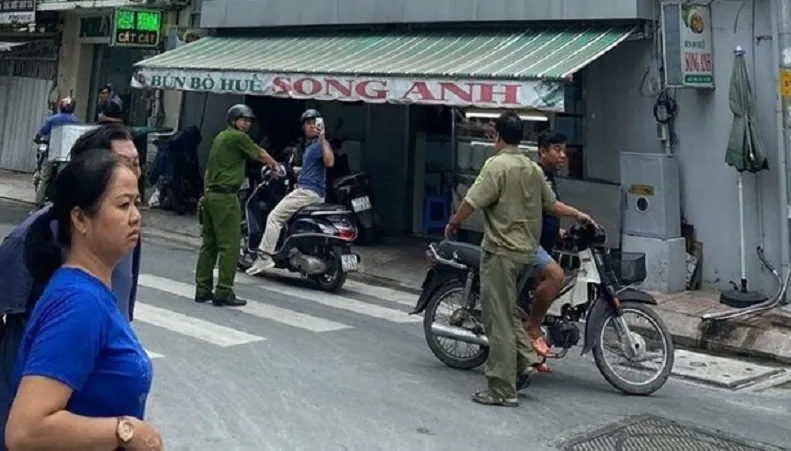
x: 201, y: 298
x: 230, y: 301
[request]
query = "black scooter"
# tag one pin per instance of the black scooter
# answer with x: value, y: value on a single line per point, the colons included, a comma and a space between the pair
x: 315, y: 241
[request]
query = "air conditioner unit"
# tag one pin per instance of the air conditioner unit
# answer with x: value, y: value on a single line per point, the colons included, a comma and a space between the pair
x: 178, y: 36
x: 193, y: 34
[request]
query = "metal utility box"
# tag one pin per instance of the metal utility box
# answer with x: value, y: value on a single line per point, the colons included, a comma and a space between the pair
x: 652, y: 200
x: 62, y: 139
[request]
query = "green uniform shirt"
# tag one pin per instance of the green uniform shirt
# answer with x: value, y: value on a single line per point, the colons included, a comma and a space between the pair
x: 512, y: 192
x: 229, y: 152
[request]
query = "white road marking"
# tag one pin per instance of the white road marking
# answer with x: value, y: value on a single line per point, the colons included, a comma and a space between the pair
x: 153, y: 355
x: 342, y: 303
x: 384, y: 293
x: 254, y: 308
x: 192, y: 327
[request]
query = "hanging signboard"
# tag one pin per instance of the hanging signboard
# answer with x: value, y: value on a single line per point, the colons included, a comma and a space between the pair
x: 17, y: 12
x: 687, y: 42
x: 137, y: 27
x: 543, y: 95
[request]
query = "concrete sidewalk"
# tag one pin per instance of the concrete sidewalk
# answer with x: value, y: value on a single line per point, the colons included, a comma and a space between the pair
x: 400, y: 264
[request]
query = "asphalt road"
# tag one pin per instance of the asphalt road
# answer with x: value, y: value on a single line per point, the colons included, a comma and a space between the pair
x: 298, y: 369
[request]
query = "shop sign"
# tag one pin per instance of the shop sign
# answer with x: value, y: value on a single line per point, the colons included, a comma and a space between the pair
x: 17, y: 12
x: 137, y: 27
x: 689, y: 60
x: 483, y: 93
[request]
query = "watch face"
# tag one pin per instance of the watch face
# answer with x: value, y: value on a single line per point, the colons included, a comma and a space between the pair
x: 125, y: 430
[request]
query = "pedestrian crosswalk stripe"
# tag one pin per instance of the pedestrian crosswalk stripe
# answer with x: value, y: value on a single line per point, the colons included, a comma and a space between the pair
x: 153, y: 355
x: 254, y: 308
x: 389, y: 294
x: 192, y: 327
x: 342, y: 303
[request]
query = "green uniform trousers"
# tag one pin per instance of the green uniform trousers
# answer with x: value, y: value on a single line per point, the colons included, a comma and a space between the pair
x: 509, y: 348
x: 220, y: 243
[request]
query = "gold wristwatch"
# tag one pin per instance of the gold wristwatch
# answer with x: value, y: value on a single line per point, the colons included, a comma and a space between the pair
x: 124, y: 431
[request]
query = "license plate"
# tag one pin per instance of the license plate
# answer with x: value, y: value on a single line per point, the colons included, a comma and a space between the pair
x: 245, y: 183
x: 361, y: 204
x: 349, y: 262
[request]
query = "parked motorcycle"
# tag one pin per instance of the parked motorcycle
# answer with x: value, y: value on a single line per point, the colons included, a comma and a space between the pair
x: 315, y: 241
x: 354, y: 191
x: 42, y: 153
x: 591, y: 294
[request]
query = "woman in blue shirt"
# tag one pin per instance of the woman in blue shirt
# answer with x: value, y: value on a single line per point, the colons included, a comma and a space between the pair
x: 82, y: 378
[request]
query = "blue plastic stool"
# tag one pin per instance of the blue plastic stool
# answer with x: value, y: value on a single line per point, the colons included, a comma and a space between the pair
x: 436, y: 209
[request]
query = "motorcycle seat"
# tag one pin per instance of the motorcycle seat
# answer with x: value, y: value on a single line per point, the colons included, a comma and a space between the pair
x: 468, y: 254
x: 314, y: 208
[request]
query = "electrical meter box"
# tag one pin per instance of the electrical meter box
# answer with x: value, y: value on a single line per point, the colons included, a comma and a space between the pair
x: 652, y: 200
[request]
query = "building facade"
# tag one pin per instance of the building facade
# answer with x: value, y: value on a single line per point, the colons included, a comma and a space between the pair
x: 405, y: 81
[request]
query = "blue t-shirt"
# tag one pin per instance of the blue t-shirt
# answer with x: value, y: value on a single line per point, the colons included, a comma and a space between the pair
x: 57, y: 120
x: 313, y: 175
x: 550, y: 226
x: 77, y: 336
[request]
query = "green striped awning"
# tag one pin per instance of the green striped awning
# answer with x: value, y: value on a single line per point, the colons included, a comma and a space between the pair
x: 546, y: 54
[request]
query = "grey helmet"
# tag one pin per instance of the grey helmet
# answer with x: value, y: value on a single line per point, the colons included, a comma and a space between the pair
x: 309, y: 114
x: 237, y: 111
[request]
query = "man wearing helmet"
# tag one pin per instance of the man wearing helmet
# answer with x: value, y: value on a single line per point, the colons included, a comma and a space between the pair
x: 225, y: 172
x: 311, y: 184
x: 64, y: 116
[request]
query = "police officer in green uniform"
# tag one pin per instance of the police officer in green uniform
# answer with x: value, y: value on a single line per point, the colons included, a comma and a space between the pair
x: 225, y: 172
x: 512, y: 193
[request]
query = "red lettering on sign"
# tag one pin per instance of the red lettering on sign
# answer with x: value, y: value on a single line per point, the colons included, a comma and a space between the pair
x: 508, y: 93
x: 343, y: 90
x: 314, y: 86
x: 447, y: 87
x: 697, y: 62
x: 281, y: 86
x: 364, y: 89
x: 421, y: 89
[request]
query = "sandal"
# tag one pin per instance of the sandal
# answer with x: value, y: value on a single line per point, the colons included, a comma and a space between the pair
x: 489, y: 398
x: 540, y: 347
x: 542, y: 367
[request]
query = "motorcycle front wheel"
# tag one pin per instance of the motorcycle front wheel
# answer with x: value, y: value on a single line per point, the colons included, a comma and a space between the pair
x: 448, y: 350
x: 649, y: 340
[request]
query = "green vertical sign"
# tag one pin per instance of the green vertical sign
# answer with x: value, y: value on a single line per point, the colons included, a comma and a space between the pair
x: 137, y: 27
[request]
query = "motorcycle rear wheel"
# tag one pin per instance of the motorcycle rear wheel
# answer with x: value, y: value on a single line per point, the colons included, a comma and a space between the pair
x: 466, y: 363
x: 332, y: 280
x: 618, y: 382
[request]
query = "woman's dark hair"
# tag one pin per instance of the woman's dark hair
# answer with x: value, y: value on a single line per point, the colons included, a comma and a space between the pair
x: 82, y: 184
x: 510, y: 128
x: 101, y: 137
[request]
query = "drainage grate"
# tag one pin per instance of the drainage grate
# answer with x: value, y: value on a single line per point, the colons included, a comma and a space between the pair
x: 650, y: 433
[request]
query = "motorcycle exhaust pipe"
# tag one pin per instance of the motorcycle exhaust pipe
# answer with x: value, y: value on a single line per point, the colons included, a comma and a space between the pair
x: 458, y: 333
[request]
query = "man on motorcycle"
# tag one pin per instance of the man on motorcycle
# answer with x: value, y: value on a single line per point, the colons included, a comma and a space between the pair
x: 64, y: 116
x: 552, y: 157
x: 310, y: 189
x: 512, y: 193
x: 225, y: 173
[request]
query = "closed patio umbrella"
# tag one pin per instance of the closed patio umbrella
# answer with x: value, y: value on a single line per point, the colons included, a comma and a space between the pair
x: 746, y: 154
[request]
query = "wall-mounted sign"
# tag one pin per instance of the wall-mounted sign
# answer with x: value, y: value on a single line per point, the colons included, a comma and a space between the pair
x: 17, y: 12
x: 687, y: 39
x: 137, y: 27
